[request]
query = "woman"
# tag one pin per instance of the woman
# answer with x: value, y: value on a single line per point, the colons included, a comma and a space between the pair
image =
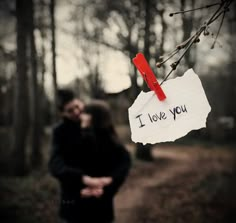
x: 108, y: 162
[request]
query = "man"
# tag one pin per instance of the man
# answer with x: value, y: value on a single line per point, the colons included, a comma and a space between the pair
x: 86, y: 196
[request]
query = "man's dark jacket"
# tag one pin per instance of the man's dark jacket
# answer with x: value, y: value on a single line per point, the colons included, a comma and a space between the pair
x: 76, y: 153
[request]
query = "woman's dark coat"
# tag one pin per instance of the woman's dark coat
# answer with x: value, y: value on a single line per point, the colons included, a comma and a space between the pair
x: 78, y: 152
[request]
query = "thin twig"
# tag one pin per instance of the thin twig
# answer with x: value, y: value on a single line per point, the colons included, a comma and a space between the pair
x: 169, y: 57
x: 190, y: 10
x: 165, y: 78
x: 213, y: 45
x: 176, y: 50
x: 187, y: 44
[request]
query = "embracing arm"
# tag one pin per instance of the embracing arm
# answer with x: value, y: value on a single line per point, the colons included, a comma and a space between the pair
x: 122, y: 164
x: 57, y: 165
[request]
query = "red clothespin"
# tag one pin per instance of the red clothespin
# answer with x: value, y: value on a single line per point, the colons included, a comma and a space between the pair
x: 142, y: 65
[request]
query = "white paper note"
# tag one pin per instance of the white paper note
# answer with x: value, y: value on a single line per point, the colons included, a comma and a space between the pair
x: 185, y: 108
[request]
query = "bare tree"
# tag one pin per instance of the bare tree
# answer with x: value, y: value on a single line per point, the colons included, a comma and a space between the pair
x: 232, y: 79
x: 187, y: 31
x: 53, y: 49
x: 36, y: 117
x: 124, y: 17
x: 143, y: 152
x: 21, y: 99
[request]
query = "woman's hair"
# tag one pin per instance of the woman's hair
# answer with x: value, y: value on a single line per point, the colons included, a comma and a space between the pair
x: 101, y: 116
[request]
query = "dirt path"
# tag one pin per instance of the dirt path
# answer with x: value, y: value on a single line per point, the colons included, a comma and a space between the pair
x: 172, y: 167
x: 183, y: 184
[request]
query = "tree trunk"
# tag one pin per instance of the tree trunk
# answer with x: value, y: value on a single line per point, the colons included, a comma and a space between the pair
x: 135, y: 89
x: 53, y: 48
x: 187, y: 30
x: 163, y: 36
x: 36, y: 126
x: 143, y: 152
x: 42, y: 64
x: 21, y: 97
x: 43, y: 49
x: 146, y: 36
x: 232, y: 78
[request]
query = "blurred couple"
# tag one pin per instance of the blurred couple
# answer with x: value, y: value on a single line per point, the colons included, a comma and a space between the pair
x: 87, y: 159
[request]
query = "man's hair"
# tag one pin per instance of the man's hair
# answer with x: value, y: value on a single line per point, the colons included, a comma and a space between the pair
x: 64, y: 96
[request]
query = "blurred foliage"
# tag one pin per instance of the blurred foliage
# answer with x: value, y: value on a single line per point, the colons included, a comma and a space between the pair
x: 29, y: 199
x: 129, y: 26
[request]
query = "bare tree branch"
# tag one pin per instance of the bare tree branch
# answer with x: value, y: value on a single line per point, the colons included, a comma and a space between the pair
x: 187, y: 44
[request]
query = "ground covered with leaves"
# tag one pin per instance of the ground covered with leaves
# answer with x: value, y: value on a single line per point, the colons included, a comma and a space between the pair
x: 183, y: 184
